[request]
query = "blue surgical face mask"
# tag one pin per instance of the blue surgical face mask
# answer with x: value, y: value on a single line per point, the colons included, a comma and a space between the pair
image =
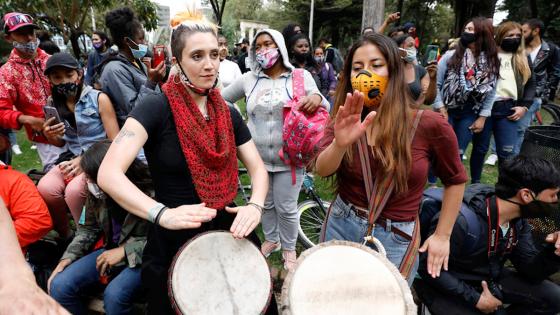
x: 140, y: 52
x: 26, y: 48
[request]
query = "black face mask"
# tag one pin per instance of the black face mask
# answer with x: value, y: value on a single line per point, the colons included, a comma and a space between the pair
x: 510, y: 44
x: 536, y: 209
x: 299, y: 57
x: 68, y: 89
x: 467, y: 38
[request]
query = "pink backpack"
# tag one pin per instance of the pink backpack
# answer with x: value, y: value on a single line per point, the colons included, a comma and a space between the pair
x: 301, y: 131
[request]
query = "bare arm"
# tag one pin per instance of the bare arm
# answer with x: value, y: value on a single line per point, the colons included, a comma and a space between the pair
x: 108, y: 116
x: 248, y: 217
x: 430, y: 81
x: 250, y: 157
x: 348, y: 128
x: 19, y: 293
x: 112, y: 180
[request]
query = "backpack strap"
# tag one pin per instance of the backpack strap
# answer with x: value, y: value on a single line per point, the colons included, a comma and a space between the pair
x: 297, y: 83
x: 378, y: 194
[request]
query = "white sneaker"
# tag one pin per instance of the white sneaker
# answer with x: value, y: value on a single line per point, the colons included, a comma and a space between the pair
x: 464, y: 157
x: 16, y: 149
x: 33, y: 147
x: 491, y: 160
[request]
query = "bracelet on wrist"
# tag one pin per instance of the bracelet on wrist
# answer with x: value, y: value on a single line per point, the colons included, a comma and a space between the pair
x: 160, y: 214
x: 154, y: 212
x: 258, y: 207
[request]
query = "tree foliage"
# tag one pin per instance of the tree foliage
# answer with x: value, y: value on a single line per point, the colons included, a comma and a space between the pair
x: 70, y: 18
x: 545, y: 10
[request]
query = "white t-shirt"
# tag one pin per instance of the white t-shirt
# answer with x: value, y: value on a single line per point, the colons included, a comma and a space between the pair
x: 507, y: 87
x: 229, y: 72
x: 534, y: 53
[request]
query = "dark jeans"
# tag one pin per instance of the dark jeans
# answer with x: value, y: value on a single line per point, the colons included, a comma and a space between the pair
x: 461, y: 120
x: 520, y: 296
x: 69, y: 286
x: 504, y: 131
x: 161, y: 247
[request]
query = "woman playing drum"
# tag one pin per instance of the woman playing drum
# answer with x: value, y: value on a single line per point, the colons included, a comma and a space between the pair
x: 192, y: 140
x: 377, y: 121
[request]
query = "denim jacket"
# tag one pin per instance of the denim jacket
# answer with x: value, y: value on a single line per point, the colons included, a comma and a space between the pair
x: 485, y: 109
x: 89, y: 127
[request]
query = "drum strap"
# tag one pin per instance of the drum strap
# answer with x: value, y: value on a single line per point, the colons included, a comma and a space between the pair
x: 378, y: 193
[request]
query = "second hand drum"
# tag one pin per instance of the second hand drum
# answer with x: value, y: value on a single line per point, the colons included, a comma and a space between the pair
x: 214, y: 273
x: 340, y: 277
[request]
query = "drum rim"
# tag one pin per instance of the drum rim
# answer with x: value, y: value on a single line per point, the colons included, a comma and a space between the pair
x: 172, y: 266
x: 410, y: 306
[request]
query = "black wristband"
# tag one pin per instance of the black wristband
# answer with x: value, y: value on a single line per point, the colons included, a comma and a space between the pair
x: 156, y: 220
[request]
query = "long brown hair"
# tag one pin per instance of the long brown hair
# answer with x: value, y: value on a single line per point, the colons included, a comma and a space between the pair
x: 484, y: 42
x: 392, y: 149
x: 519, y: 57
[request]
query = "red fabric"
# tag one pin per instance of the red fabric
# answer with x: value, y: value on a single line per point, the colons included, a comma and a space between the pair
x: 208, y: 145
x: 434, y: 138
x: 24, y: 90
x: 29, y: 212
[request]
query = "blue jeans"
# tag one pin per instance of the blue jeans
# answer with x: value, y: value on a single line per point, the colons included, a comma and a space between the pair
x: 68, y: 287
x: 344, y: 224
x: 505, y: 135
x: 525, y: 122
x: 461, y: 120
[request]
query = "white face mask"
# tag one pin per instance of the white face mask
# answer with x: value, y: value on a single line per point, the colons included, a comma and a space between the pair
x: 410, y: 54
x: 95, y: 190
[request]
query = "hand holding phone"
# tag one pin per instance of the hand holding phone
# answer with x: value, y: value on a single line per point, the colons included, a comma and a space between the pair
x: 159, y: 55
x: 51, y: 112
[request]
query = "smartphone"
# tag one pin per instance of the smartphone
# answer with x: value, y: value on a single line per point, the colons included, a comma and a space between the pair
x: 51, y: 112
x: 432, y: 52
x: 159, y: 55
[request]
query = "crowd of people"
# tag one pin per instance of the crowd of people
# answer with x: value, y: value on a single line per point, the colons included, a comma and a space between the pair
x: 144, y: 157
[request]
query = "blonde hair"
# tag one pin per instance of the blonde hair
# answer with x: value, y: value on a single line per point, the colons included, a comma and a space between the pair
x: 519, y: 57
x: 186, y: 23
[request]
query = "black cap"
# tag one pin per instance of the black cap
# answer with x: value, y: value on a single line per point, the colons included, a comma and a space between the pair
x: 61, y: 60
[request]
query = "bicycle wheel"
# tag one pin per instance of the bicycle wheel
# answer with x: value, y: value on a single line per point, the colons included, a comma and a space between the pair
x: 310, y: 220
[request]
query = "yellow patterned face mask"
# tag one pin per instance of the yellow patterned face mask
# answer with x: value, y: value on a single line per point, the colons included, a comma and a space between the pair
x: 371, y: 85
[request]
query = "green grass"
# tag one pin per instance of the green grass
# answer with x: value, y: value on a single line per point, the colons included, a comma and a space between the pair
x: 29, y: 159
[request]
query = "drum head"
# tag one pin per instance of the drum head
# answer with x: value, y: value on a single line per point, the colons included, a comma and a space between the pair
x: 216, y: 274
x: 340, y: 277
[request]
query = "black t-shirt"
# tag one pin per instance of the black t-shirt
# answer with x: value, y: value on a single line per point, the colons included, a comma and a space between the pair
x: 171, y: 176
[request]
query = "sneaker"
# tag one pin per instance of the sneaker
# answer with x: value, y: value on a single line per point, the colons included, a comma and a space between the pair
x: 16, y: 149
x: 34, y: 147
x: 464, y: 157
x: 491, y: 160
x: 268, y: 248
x: 289, y: 259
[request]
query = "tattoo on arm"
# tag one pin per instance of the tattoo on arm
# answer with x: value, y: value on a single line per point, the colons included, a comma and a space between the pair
x: 124, y: 133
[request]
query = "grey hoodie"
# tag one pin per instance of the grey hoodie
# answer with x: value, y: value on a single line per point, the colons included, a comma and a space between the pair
x: 265, y: 98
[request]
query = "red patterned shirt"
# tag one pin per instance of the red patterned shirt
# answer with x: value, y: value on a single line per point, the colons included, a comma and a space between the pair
x: 24, y: 90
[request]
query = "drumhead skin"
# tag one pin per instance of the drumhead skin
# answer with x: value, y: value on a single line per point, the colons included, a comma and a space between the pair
x: 214, y: 273
x: 340, y: 277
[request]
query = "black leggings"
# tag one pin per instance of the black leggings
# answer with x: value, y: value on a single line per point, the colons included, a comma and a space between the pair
x: 161, y: 247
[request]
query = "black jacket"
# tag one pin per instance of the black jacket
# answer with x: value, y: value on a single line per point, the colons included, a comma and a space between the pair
x: 467, y: 270
x: 525, y: 92
x: 547, y: 70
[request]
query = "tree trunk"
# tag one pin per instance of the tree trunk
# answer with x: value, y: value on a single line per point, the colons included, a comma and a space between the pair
x: 400, y: 5
x: 373, y: 13
x: 467, y: 9
x: 534, y: 8
x: 74, y: 35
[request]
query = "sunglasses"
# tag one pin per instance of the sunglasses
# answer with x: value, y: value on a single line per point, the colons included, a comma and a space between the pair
x: 18, y: 19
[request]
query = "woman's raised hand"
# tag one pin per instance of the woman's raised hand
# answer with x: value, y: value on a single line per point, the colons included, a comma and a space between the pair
x: 348, y: 124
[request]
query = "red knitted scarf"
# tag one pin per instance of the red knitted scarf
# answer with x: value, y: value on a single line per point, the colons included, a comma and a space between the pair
x: 208, y: 145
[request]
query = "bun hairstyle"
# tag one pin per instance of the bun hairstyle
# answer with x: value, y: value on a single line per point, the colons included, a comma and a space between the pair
x: 185, y: 24
x: 122, y: 23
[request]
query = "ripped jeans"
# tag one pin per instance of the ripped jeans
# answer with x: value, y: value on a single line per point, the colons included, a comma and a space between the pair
x: 505, y: 136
